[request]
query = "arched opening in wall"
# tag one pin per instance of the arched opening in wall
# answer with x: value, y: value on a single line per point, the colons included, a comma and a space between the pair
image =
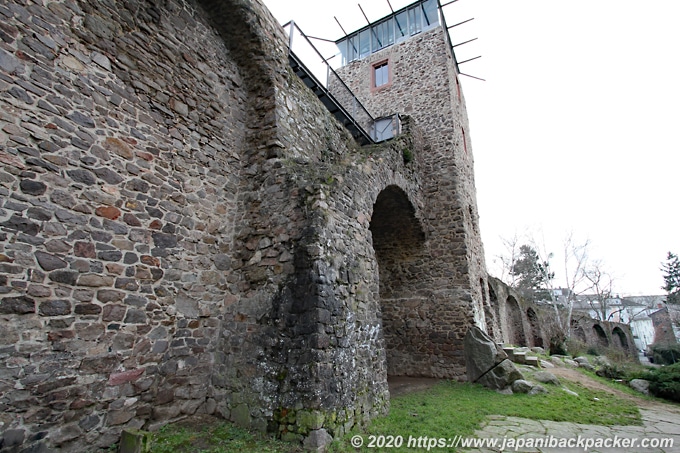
x: 488, y: 311
x: 580, y: 334
x: 619, y: 338
x: 601, y: 336
x: 536, y: 336
x: 398, y: 241
x: 493, y: 299
x: 516, y: 334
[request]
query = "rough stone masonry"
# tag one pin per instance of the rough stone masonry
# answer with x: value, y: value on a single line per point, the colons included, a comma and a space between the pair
x: 184, y: 228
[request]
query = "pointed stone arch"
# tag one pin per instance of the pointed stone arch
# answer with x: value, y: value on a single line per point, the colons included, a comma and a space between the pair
x: 600, y: 335
x: 516, y: 335
x: 536, y: 335
x: 398, y: 241
x: 619, y: 338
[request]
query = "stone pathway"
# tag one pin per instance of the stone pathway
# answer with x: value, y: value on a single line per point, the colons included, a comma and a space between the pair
x: 659, y: 424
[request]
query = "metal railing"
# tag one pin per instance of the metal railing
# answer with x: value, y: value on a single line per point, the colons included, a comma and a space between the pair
x: 329, y: 86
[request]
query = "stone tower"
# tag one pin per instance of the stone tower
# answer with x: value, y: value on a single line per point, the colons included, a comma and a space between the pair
x: 404, y: 64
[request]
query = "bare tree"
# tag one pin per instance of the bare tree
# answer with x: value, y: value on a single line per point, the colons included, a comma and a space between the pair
x: 508, y: 258
x: 575, y: 259
x: 601, y: 290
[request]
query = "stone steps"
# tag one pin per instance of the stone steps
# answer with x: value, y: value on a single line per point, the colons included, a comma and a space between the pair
x: 520, y: 356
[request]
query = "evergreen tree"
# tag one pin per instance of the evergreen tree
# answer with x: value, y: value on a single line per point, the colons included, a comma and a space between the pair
x: 533, y: 275
x: 671, y: 278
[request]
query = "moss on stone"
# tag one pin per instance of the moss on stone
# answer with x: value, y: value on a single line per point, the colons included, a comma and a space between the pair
x: 308, y: 420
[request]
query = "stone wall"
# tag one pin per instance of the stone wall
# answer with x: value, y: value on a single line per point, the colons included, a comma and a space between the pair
x: 523, y: 323
x: 185, y: 228
x: 123, y: 127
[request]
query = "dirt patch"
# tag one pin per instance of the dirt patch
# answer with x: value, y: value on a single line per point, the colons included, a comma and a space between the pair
x: 574, y: 375
x: 401, y: 385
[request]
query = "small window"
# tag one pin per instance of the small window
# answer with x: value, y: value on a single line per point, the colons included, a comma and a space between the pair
x: 381, y: 74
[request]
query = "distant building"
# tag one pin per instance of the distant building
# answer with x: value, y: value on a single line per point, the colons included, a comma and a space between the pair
x: 647, y: 316
x: 665, y: 322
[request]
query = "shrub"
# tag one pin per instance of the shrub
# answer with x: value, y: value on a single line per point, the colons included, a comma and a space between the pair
x: 576, y: 347
x: 665, y: 354
x: 664, y: 382
x: 612, y: 371
x: 592, y: 350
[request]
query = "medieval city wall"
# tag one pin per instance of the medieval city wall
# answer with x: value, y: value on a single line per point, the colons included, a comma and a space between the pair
x: 523, y: 323
x: 186, y: 229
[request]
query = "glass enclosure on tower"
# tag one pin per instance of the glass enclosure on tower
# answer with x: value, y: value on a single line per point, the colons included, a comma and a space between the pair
x: 390, y: 30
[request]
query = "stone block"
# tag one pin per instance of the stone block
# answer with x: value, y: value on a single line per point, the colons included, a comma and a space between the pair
x: 520, y: 357
x: 481, y: 353
x: 12, y: 438
x: 241, y: 415
x: 307, y: 420
x: 532, y: 361
x: 546, y: 378
x: 641, y: 385
x: 521, y: 386
x: 501, y: 376
x: 125, y: 376
x: 317, y: 440
x: 135, y: 441
x: 17, y: 305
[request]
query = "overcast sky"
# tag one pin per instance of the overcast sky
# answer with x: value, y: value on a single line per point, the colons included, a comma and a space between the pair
x: 576, y: 128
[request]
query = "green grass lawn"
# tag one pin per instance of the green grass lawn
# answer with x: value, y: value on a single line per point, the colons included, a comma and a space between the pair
x: 445, y: 410
x: 451, y: 408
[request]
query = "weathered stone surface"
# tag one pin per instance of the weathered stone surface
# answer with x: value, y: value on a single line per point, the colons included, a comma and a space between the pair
x: 521, y: 386
x: 317, y: 440
x: 50, y: 262
x: 571, y: 363
x: 118, y: 417
x: 125, y: 376
x: 537, y: 390
x: 640, y: 385
x: 501, y: 376
x: 583, y: 362
x: 113, y: 313
x: 8, y: 62
x: 17, y: 305
x: 65, y: 277
x: 87, y: 309
x: 135, y: 317
x: 30, y: 187
x: 83, y: 176
x: 95, y: 280
x: 13, y: 438
x: 546, y: 378
x: 99, y: 364
x: 135, y: 441
x: 55, y: 307
x: 109, y: 212
x: 22, y: 224
x: 481, y: 353
x: 220, y: 227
